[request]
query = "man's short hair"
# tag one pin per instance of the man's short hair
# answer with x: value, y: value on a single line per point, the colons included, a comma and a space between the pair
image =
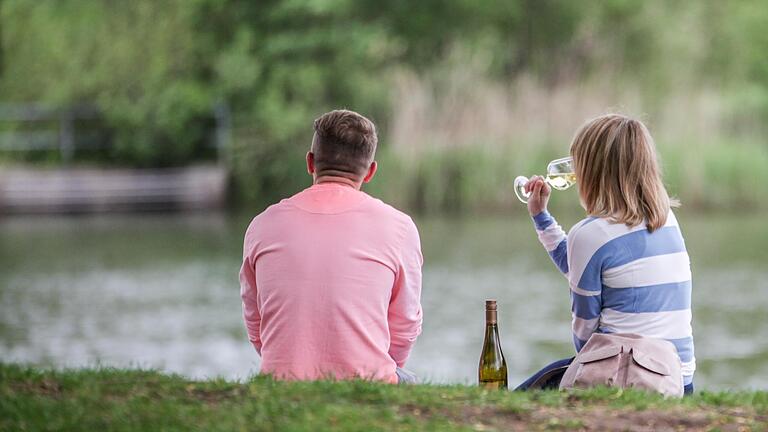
x: 344, y: 144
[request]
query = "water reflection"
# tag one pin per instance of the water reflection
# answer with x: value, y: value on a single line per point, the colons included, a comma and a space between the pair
x: 162, y: 291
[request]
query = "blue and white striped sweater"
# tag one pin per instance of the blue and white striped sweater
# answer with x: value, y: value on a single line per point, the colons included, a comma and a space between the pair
x: 625, y: 280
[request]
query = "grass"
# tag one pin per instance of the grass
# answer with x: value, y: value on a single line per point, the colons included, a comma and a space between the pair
x: 142, y: 400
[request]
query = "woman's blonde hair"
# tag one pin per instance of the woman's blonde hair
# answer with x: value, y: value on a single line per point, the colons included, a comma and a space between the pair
x: 617, y: 172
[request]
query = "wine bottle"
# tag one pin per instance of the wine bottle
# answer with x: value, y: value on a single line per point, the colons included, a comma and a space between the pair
x: 492, y: 372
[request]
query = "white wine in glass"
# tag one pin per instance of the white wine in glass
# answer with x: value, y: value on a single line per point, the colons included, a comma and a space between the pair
x: 560, y: 176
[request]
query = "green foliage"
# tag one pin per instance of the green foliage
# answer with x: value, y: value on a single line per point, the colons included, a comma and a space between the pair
x: 139, y: 62
x: 723, y: 174
x: 156, y: 70
x: 128, y: 400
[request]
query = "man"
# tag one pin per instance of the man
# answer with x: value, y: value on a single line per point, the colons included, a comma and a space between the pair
x: 331, y: 277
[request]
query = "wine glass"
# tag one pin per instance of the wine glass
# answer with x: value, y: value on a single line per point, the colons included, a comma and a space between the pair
x: 560, y: 176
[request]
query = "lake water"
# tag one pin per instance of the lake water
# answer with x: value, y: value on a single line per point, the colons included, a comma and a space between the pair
x: 162, y: 291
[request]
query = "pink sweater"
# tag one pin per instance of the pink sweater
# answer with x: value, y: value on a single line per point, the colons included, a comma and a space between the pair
x: 331, y: 286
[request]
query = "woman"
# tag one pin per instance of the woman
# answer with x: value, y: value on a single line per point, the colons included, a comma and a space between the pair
x: 626, y: 263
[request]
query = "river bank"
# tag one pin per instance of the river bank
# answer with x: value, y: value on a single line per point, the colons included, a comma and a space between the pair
x: 131, y: 399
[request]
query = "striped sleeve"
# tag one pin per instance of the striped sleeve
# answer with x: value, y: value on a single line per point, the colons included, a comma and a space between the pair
x: 553, y: 238
x: 585, y: 292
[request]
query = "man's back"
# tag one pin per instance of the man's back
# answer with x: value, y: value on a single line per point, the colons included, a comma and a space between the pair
x: 330, y: 282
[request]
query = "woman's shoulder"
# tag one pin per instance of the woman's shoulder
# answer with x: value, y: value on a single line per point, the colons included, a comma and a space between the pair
x: 590, y: 226
x: 588, y: 235
x: 584, y: 222
x: 671, y: 219
x: 606, y: 229
x: 597, y: 230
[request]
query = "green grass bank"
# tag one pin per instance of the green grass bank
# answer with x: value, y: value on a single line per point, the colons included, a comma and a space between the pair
x: 32, y: 399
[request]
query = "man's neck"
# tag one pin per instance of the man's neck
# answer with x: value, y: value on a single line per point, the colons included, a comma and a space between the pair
x: 338, y: 180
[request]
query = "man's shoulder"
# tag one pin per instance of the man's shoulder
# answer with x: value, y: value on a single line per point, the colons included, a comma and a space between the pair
x: 270, y: 213
x: 389, y: 210
x: 280, y: 206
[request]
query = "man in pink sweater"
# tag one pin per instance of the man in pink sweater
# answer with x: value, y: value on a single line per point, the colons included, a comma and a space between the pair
x: 331, y: 277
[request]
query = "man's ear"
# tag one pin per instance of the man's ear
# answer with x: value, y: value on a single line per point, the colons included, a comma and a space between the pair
x: 371, y: 172
x: 310, y: 163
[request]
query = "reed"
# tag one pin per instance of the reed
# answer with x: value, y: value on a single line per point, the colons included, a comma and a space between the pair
x: 457, y: 138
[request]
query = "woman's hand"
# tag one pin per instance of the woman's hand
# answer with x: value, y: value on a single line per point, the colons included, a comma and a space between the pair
x: 539, y: 198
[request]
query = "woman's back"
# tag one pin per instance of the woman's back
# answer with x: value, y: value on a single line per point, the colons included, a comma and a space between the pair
x: 629, y: 280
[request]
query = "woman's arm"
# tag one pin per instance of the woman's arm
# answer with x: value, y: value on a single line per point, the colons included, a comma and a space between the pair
x: 585, y: 281
x: 551, y: 235
x: 553, y: 238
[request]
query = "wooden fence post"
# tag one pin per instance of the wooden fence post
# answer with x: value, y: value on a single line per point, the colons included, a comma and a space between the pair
x: 66, y: 136
x: 223, y: 133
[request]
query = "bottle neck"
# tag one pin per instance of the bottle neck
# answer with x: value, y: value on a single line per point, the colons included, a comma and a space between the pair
x: 491, y: 325
x: 490, y: 317
x: 492, y: 342
x: 492, y: 328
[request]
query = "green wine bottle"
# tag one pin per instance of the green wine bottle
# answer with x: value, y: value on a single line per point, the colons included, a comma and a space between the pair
x: 492, y: 371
